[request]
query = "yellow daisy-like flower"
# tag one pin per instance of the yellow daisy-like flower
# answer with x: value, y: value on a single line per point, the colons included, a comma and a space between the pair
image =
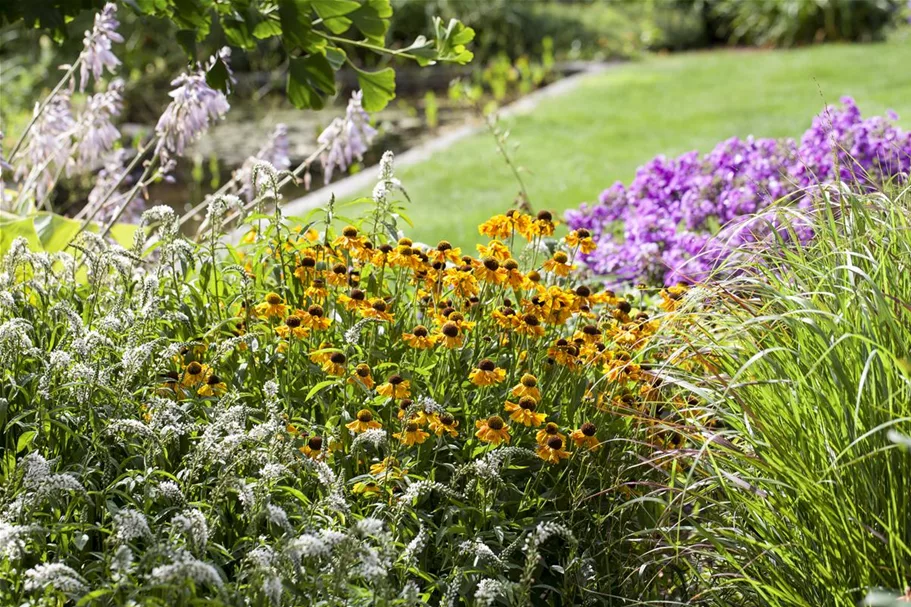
x: 412, y: 435
x: 396, y: 386
x: 354, y: 300
x: 314, y: 448
x: 349, y: 239
x: 367, y: 489
x: 552, y: 451
x: 335, y: 365
x: 293, y: 326
x: 524, y: 412
x: 530, y: 326
x: 363, y: 422
x: 487, y: 374
x: 527, y: 386
x: 377, y: 309
x: 558, y: 264
x: 194, y: 374
x: 581, y: 238
x: 388, y: 468
x: 317, y: 290
x: 321, y: 354
x: 306, y: 268
x: 515, y: 279
x: 420, y: 338
x: 272, y: 306
x: 444, y: 424
x: 315, y: 318
x: 462, y: 280
x: 337, y: 276
x: 550, y: 430
x: 213, y: 386
x: 542, y: 225
x: 672, y: 296
x: 496, y: 250
x: 490, y: 271
x: 506, y: 318
x: 585, y: 437
x: 361, y: 376
x: 451, y: 335
x: 249, y: 237
x: 492, y: 430
x: 444, y: 252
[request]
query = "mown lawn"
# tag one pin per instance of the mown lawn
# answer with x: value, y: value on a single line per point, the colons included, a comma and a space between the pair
x: 575, y: 145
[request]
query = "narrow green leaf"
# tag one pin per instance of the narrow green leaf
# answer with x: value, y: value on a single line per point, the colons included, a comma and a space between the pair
x: 311, y: 80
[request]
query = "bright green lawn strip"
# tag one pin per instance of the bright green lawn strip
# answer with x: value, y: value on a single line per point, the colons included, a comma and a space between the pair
x: 579, y: 143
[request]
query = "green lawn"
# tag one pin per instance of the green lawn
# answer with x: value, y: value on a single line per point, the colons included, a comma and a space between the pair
x: 575, y: 145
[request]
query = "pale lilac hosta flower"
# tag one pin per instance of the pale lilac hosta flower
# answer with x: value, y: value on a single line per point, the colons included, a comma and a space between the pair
x: 195, y: 106
x: 95, y: 131
x: 48, y: 144
x: 346, y: 138
x: 96, y: 53
x: 275, y: 153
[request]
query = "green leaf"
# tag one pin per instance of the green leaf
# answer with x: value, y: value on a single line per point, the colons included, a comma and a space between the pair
x: 372, y: 20
x: 333, y: 12
x: 378, y: 87
x: 218, y: 76
x: 90, y: 597
x: 311, y: 80
x: 187, y: 40
x: 295, y: 20
x: 318, y: 387
x: 55, y: 231
x: 25, y: 439
x: 267, y: 29
x: 238, y: 33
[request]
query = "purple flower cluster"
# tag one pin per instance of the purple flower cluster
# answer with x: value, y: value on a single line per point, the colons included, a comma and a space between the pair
x: 681, y: 216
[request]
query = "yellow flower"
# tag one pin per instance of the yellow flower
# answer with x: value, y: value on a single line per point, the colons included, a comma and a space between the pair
x: 306, y: 268
x: 363, y: 422
x: 362, y: 376
x: 213, y: 386
x: 487, y: 374
x: 524, y: 412
x: 377, y: 309
x: 495, y: 249
x: 492, y: 430
x: 396, y: 386
x: 585, y: 437
x: 489, y: 270
x: 315, y: 318
x: 293, y: 325
x: 515, y: 279
x: 272, y: 306
x: 581, y: 238
x: 444, y: 424
x: 462, y: 281
x: 552, y: 451
x: 443, y: 253
x: 335, y: 365
x: 387, y: 468
x: 194, y: 374
x: 530, y: 326
x: 366, y: 489
x: 542, y: 225
x: 506, y: 317
x: 550, y: 430
x: 338, y: 275
x: 249, y: 237
x: 349, y: 239
x: 527, y: 386
x: 503, y: 226
x: 322, y: 354
x: 420, y: 338
x: 558, y: 264
x: 451, y: 335
x: 317, y: 290
x: 314, y: 448
x: 354, y: 300
x: 413, y: 435
x: 564, y: 353
x: 672, y: 296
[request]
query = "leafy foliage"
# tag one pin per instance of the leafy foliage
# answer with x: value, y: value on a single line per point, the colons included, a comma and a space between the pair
x: 314, y: 33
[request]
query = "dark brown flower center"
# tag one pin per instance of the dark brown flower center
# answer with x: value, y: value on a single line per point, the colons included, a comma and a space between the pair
x: 349, y: 232
x: 315, y: 311
x: 308, y: 262
x: 213, y: 380
x: 411, y: 427
x: 315, y: 443
x: 590, y: 330
x: 357, y: 295
x: 495, y: 422
x: 487, y: 365
x: 560, y: 257
x: 338, y: 358
x: 531, y: 320
x: 583, y: 291
x: 529, y: 380
x: 446, y: 419
x: 588, y: 429
x: 379, y: 305
x: 395, y: 379
x: 528, y: 403
x: 555, y: 443
x: 444, y: 246
x: 491, y: 264
x: 364, y: 416
x: 194, y: 368
x: 511, y: 264
x: 420, y: 331
x: 450, y: 329
x: 551, y: 428
x: 545, y: 216
x: 273, y: 299
x: 293, y: 322
x: 362, y: 370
